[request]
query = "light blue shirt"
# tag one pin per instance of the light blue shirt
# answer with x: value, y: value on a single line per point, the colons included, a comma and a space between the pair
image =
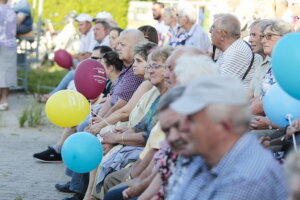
x: 247, y: 172
x: 197, y: 38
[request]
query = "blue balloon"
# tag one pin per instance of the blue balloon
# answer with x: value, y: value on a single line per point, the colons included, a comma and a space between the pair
x: 286, y: 64
x: 278, y: 104
x: 82, y: 152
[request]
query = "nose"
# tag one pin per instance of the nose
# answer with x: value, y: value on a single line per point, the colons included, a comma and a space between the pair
x: 166, y: 73
x: 173, y: 135
x: 184, y: 125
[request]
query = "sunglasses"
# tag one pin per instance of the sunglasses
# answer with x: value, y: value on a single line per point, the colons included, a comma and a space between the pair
x: 96, y: 58
x: 269, y: 36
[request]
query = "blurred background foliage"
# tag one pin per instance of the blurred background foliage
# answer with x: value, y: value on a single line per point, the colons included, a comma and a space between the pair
x: 56, y: 10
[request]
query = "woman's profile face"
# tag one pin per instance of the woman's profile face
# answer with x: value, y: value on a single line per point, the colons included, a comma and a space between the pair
x: 138, y: 66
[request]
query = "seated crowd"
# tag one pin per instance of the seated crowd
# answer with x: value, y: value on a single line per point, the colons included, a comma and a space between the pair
x: 178, y: 121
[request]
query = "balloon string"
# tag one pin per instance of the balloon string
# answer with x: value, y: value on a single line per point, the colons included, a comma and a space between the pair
x: 289, y: 117
x: 95, y: 114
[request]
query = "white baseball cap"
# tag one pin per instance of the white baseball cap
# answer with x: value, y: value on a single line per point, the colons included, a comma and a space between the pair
x: 84, y: 17
x: 103, y: 15
x: 210, y: 89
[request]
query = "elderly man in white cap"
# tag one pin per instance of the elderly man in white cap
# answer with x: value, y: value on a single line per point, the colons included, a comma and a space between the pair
x: 228, y: 163
x: 106, y: 16
x: 87, y: 41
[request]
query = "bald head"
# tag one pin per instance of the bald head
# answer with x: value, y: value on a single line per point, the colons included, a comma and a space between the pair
x: 127, y: 41
x: 169, y: 75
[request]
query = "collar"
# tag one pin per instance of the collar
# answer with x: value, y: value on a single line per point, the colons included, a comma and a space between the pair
x: 193, y: 29
x: 266, y: 60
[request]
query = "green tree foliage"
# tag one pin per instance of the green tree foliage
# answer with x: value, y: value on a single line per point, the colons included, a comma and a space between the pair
x: 56, y: 10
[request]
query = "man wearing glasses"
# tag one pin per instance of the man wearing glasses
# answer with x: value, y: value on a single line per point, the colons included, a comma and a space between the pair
x: 237, y: 58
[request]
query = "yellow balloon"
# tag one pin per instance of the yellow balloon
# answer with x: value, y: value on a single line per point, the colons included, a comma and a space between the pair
x: 67, y: 108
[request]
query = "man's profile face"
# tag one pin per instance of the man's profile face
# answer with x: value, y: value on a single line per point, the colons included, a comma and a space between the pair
x: 84, y: 27
x: 156, y: 11
x: 255, y: 40
x: 99, y: 32
x: 124, y: 47
x: 170, y: 121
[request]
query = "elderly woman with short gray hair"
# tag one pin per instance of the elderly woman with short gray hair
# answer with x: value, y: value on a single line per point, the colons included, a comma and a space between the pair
x: 272, y: 33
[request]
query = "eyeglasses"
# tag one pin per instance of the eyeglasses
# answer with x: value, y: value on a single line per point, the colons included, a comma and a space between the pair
x: 269, y: 36
x: 96, y: 58
x: 153, y: 66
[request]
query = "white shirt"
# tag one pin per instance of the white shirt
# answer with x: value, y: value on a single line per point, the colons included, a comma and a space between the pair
x: 87, y: 42
x: 236, y: 59
x: 105, y: 42
x: 162, y: 31
x: 198, y: 38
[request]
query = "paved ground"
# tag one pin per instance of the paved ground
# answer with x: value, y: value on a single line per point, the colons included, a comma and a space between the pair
x: 21, y: 177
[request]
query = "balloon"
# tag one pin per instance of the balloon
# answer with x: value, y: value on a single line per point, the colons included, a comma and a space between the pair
x: 82, y: 152
x: 90, y: 78
x: 286, y: 64
x: 63, y: 58
x: 277, y: 104
x: 67, y: 108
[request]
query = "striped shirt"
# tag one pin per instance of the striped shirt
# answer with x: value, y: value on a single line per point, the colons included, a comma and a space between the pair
x: 246, y: 172
x: 236, y: 59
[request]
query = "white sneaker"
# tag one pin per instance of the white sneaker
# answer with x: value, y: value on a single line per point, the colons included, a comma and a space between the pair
x: 4, y: 106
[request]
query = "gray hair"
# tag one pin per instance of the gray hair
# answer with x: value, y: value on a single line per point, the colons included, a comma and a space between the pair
x: 170, y: 11
x: 230, y: 24
x: 144, y: 49
x: 280, y: 26
x: 104, y: 24
x: 135, y: 35
x: 189, y: 11
x: 239, y: 115
x: 263, y: 24
x: 171, y: 96
x: 161, y: 54
x: 188, y: 67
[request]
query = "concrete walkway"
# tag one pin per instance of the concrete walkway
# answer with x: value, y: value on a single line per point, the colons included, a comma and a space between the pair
x: 21, y: 177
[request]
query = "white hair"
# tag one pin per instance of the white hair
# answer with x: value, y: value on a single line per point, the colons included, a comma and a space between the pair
x: 188, y: 10
x: 239, y: 115
x: 189, y: 67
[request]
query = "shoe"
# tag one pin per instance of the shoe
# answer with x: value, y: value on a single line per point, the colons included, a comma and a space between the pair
x: 64, y: 187
x: 49, y: 155
x: 4, y: 106
x: 75, y: 197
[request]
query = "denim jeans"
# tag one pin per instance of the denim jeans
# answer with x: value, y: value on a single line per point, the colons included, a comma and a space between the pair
x: 64, y: 82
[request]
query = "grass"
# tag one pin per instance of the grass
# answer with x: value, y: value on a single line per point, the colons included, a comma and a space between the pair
x: 32, y: 115
x: 43, y: 76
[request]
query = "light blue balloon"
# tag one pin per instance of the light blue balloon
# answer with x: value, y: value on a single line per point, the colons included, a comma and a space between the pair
x: 278, y: 104
x: 82, y: 152
x: 286, y: 64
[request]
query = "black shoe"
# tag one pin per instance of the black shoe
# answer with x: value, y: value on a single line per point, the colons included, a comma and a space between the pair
x: 64, y: 187
x: 75, y: 197
x: 48, y: 155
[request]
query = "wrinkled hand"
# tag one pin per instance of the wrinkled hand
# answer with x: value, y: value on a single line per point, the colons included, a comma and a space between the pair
x: 109, y: 138
x: 296, y: 124
x: 107, y: 148
x: 133, y: 190
x: 95, y: 128
x: 259, y: 123
x: 290, y: 131
x: 265, y: 141
x: 120, y: 129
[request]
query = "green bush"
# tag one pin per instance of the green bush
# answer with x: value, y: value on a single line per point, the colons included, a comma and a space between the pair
x: 56, y: 10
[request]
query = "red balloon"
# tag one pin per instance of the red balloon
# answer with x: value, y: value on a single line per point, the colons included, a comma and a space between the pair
x: 63, y: 58
x: 90, y: 78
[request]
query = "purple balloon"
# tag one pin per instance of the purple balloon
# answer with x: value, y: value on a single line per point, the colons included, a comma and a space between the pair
x: 90, y: 78
x: 63, y: 58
